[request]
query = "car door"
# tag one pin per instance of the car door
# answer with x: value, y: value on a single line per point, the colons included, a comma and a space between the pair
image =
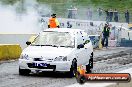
x: 87, y: 47
x: 81, y: 53
x: 81, y: 56
x: 88, y: 51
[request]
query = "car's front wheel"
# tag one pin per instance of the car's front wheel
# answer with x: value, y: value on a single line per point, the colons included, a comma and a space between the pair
x: 73, y: 69
x: 24, y: 71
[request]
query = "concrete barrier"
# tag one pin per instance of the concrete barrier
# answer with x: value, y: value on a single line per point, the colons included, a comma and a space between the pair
x: 10, y: 51
x: 15, y: 39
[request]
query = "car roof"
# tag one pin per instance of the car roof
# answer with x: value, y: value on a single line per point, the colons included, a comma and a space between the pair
x: 63, y: 30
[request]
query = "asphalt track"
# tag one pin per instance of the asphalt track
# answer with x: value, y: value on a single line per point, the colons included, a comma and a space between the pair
x: 114, y: 59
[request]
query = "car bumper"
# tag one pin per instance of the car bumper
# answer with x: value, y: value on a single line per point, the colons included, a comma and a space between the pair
x: 51, y: 66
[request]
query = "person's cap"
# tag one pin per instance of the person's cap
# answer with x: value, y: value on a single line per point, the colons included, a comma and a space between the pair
x: 53, y: 15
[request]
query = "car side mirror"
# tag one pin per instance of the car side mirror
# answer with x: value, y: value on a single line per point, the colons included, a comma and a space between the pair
x: 28, y: 42
x: 87, y: 41
x: 80, y: 46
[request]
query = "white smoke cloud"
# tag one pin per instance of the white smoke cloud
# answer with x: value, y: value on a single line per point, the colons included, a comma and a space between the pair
x: 13, y: 22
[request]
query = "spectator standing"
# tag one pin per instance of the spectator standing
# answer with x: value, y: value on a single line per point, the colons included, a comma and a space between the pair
x: 111, y: 15
x: 116, y: 15
x: 127, y: 16
x: 70, y: 12
x: 74, y: 13
x: 89, y: 14
x: 107, y: 15
x: 106, y: 32
x: 100, y: 11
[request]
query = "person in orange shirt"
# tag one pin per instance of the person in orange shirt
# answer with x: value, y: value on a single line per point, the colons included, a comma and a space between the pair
x: 53, y: 22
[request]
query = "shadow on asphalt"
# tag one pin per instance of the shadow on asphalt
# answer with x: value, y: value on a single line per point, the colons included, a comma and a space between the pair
x: 51, y: 74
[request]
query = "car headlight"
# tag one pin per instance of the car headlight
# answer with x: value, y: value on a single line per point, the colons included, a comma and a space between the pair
x: 25, y: 56
x: 61, y: 58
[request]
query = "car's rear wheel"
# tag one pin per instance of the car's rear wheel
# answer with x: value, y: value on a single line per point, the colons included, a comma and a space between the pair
x: 24, y: 71
x: 91, y: 61
x: 90, y: 65
x: 73, y: 69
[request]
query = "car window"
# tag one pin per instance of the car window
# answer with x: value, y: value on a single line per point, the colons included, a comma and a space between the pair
x: 63, y: 39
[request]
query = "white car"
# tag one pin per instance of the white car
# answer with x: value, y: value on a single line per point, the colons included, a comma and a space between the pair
x: 57, y: 50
